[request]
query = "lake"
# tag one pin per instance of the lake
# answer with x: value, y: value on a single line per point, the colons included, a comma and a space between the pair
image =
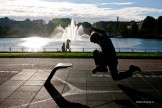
x: 50, y: 44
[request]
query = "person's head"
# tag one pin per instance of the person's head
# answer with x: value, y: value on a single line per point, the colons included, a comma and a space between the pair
x: 68, y: 40
x: 95, y: 37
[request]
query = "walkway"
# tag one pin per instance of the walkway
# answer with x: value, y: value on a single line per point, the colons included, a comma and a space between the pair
x: 76, y: 84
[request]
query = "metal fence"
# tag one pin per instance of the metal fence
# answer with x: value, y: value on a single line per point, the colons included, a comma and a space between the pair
x: 22, y: 49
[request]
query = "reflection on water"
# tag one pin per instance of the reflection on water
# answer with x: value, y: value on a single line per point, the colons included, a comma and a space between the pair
x: 38, y: 43
x: 34, y: 42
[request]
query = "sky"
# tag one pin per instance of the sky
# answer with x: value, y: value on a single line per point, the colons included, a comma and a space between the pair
x: 81, y: 10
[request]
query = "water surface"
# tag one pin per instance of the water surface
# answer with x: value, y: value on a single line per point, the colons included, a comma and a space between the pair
x: 50, y: 44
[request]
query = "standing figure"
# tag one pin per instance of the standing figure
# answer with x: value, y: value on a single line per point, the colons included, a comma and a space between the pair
x: 108, y: 57
x: 68, y: 45
x: 63, y: 47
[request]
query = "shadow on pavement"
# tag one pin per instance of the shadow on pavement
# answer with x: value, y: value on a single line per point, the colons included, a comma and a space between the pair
x: 124, y: 103
x: 138, y: 99
x: 57, y: 97
x: 142, y: 99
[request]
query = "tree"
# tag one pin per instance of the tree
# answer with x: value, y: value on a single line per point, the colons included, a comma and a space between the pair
x: 159, y: 25
x: 64, y: 22
x: 110, y: 28
x: 50, y: 27
x: 123, y: 30
x: 86, y: 25
x: 134, y: 29
x: 2, y: 31
x: 98, y: 25
x: 149, y: 24
x: 17, y: 31
x: 27, y: 26
x: 6, y: 21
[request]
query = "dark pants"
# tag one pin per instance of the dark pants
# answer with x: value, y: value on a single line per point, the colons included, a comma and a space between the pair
x: 100, y: 60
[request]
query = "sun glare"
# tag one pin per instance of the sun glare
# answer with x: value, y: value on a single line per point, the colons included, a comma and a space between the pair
x: 34, y: 42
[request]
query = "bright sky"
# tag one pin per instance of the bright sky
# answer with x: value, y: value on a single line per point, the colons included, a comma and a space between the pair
x: 81, y: 10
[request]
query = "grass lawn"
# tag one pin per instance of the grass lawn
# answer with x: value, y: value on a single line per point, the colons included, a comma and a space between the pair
x: 76, y: 55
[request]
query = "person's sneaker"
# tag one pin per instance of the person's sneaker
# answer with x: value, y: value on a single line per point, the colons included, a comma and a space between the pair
x: 100, y: 69
x: 133, y: 68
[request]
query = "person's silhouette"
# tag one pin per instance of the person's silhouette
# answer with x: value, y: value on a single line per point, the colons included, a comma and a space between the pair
x: 63, y: 47
x: 68, y: 45
x: 108, y: 56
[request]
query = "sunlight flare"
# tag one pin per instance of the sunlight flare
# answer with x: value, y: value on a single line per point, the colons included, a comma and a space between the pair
x: 34, y: 42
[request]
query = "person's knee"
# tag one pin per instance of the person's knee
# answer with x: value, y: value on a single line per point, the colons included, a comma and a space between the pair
x: 115, y: 78
x: 96, y: 52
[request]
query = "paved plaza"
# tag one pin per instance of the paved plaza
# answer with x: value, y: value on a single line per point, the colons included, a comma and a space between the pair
x: 22, y: 84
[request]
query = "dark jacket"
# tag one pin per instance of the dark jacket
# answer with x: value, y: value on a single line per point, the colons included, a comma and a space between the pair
x: 107, y: 48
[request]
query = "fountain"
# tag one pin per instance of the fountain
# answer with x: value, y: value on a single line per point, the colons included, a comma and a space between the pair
x: 72, y: 32
x: 78, y: 39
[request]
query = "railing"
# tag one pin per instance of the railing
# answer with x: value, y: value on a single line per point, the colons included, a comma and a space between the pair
x: 17, y: 49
